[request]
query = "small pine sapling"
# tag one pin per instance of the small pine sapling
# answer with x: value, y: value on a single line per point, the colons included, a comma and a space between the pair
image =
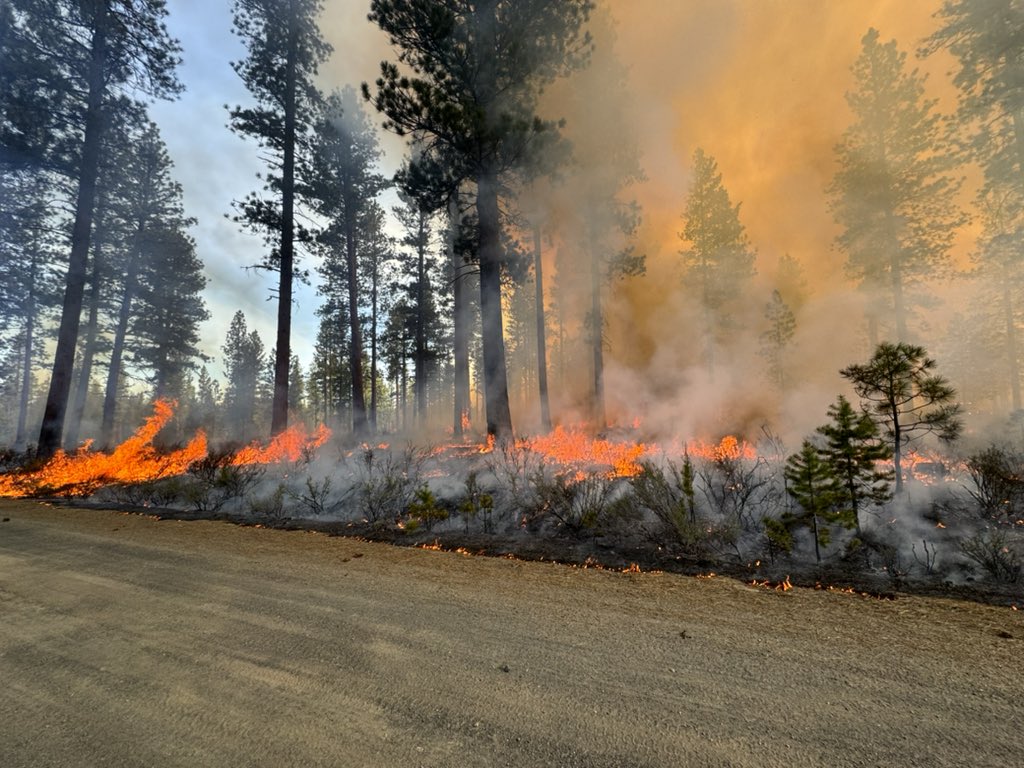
x: 853, y: 447
x: 813, y: 486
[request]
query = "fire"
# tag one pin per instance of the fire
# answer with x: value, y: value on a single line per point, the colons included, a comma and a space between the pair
x: 136, y: 460
x: 728, y: 448
x: 574, y: 449
x: 289, y: 445
x: 133, y: 461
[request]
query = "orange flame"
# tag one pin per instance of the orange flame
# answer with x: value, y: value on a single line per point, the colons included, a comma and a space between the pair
x: 137, y: 461
x: 575, y: 449
x: 729, y: 448
x: 133, y: 461
x: 289, y: 445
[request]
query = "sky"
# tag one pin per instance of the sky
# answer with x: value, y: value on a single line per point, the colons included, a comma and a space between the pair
x: 759, y: 84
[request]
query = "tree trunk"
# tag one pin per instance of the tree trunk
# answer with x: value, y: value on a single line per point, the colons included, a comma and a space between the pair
x: 117, y: 351
x: 74, y: 428
x: 21, y: 435
x: 597, y: 319
x: 542, y: 351
x: 374, y: 279
x: 421, y: 320
x: 897, y: 448
x: 282, y: 361
x: 499, y: 417
x: 67, y: 337
x: 460, y: 330
x: 356, y: 335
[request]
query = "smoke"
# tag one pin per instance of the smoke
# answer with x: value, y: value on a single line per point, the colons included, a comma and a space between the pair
x: 760, y: 86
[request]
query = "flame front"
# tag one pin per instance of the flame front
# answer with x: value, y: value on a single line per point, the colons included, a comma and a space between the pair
x: 136, y: 460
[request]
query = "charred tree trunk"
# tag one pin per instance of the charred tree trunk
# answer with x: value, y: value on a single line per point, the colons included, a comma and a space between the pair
x: 542, y: 351
x: 282, y: 361
x: 460, y: 330
x: 67, y: 336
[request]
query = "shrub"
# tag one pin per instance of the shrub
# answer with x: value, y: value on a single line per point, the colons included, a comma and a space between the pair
x: 477, y: 503
x: 575, y: 502
x: 667, y: 493
x: 997, y: 475
x: 991, y: 550
x: 426, y: 510
x: 385, y: 483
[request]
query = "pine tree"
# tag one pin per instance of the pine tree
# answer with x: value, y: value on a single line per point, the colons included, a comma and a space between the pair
x: 170, y: 309
x: 900, y: 386
x: 284, y: 52
x: 999, y: 268
x: 718, y: 258
x: 148, y: 202
x: 416, y: 261
x: 244, y: 363
x: 853, y: 447
x: 329, y: 388
x: 345, y: 183
x: 893, y: 195
x: 986, y: 37
x: 477, y: 70
x: 29, y: 279
x: 811, y: 483
x: 95, y: 53
x: 776, y: 339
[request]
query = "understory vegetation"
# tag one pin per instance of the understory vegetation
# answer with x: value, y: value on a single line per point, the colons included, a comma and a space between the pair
x: 961, y: 522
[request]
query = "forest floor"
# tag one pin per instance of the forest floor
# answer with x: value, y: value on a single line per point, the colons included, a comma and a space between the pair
x: 133, y: 641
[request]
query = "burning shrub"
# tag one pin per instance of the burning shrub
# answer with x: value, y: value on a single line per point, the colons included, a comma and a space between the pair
x: 992, y: 550
x: 998, y: 478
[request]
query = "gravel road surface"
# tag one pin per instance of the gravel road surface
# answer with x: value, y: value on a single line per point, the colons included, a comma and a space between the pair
x: 127, y: 641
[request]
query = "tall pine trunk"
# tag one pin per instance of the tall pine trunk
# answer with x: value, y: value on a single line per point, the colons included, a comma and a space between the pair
x: 282, y: 361
x: 117, y: 350
x: 67, y: 336
x: 356, y: 331
x: 542, y: 351
x: 421, y: 320
x: 460, y: 322
x: 74, y: 427
x: 374, y: 287
x: 21, y: 435
x: 499, y: 417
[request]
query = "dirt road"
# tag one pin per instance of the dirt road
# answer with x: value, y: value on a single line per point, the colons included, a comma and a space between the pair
x: 127, y: 641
